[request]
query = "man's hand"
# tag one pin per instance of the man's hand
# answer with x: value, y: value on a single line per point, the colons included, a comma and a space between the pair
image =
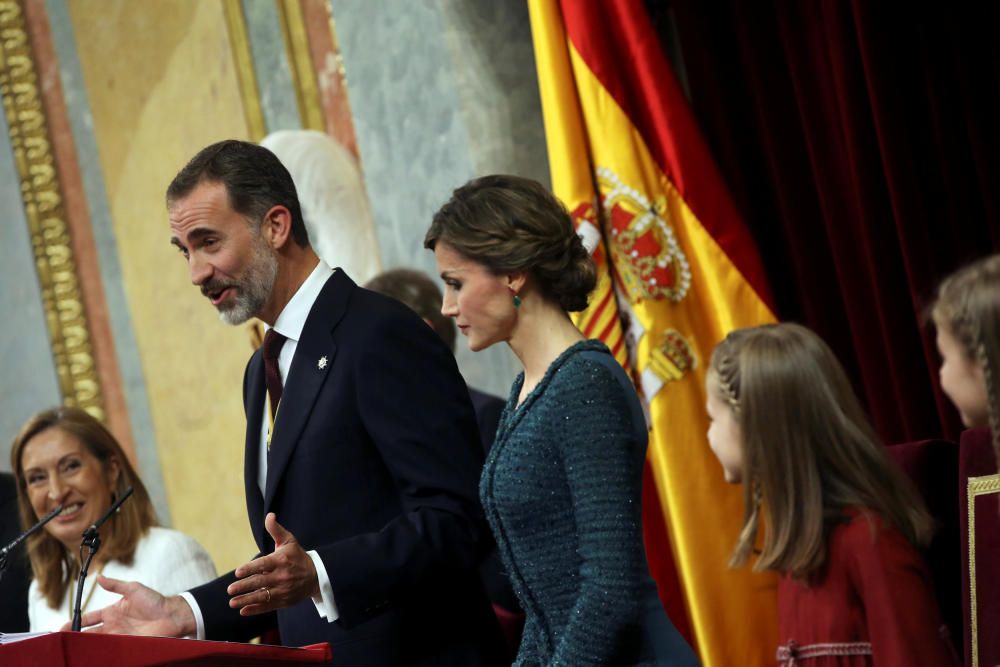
x: 141, y: 611
x: 281, y: 579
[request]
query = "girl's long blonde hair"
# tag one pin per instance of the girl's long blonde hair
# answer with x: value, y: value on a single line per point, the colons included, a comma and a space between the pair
x: 809, y: 452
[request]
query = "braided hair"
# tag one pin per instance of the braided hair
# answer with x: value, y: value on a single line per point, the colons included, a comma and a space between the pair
x: 967, y: 306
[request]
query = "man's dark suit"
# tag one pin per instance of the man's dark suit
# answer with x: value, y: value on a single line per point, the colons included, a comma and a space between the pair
x: 374, y: 463
x: 14, y: 586
x: 488, y: 410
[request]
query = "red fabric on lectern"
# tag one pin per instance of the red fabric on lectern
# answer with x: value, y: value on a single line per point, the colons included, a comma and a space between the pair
x: 87, y: 649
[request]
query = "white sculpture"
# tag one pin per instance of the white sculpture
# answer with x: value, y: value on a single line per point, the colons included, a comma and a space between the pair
x: 333, y: 199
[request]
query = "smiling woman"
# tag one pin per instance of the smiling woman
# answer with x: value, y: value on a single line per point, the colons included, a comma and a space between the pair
x: 59, y: 469
x: 63, y: 456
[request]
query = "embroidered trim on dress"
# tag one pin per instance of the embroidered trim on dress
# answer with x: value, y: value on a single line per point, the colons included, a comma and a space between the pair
x: 789, y: 654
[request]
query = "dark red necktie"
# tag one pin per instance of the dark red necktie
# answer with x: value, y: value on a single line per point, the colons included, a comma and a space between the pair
x: 272, y: 376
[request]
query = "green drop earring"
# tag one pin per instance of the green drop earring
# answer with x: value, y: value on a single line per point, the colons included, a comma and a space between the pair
x: 517, y: 301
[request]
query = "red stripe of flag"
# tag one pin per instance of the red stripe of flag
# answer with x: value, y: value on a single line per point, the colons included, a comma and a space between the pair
x: 592, y: 322
x: 616, y: 40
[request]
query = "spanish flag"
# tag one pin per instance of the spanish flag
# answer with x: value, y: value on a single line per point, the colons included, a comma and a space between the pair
x: 677, y: 271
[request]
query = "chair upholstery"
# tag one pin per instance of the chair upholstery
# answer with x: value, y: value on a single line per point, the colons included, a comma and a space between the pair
x: 980, y: 539
x: 932, y: 466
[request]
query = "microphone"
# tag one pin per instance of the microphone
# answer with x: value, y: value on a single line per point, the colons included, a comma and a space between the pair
x: 107, y: 515
x: 6, y: 551
x: 92, y: 542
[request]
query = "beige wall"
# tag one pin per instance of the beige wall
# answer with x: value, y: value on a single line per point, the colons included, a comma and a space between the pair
x: 161, y: 84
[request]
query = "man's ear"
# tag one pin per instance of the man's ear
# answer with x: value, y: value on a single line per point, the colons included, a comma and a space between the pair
x: 276, y: 226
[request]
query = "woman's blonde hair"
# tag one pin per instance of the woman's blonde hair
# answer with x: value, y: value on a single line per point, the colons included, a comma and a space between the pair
x: 967, y: 306
x: 54, y: 567
x: 809, y: 452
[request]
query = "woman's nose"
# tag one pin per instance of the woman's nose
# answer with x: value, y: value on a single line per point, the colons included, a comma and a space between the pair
x: 57, y: 490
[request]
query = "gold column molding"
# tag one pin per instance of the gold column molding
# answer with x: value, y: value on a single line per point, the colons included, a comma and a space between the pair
x: 43, y: 207
x: 975, y: 487
x: 239, y: 40
x: 293, y: 26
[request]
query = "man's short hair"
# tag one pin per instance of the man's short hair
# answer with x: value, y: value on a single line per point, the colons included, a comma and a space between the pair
x: 415, y: 290
x: 254, y: 178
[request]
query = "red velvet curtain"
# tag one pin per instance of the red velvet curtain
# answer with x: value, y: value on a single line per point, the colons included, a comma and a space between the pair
x: 861, y: 141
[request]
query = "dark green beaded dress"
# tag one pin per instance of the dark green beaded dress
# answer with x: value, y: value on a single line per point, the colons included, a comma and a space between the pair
x: 562, y: 490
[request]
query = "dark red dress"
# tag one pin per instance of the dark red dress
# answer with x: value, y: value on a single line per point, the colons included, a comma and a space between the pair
x: 874, y: 605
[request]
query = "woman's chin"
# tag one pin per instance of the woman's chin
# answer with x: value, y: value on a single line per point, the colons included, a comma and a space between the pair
x: 69, y: 540
x: 476, y: 345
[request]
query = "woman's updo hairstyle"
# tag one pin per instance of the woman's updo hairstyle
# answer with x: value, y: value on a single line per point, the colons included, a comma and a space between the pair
x: 511, y: 224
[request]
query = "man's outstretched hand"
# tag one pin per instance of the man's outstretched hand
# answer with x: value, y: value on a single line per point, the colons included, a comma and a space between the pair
x: 140, y: 611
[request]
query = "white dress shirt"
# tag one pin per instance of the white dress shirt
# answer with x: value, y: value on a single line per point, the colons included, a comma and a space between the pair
x: 289, y: 324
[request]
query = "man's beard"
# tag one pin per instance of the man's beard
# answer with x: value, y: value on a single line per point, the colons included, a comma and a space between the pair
x: 252, y: 289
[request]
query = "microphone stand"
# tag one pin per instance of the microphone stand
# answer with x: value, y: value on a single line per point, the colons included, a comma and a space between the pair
x: 92, y: 542
x: 7, y: 550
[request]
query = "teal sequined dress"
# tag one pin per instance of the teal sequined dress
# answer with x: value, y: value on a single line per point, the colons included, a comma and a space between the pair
x: 562, y: 488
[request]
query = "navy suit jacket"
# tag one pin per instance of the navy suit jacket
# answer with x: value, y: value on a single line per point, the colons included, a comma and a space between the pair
x: 488, y: 410
x: 374, y: 463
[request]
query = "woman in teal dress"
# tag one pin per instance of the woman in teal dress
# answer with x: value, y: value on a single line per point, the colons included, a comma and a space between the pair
x: 562, y: 485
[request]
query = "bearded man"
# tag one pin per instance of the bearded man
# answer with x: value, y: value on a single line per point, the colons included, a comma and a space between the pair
x: 360, y: 439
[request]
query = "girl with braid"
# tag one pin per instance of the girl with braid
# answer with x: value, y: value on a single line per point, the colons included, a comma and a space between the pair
x: 966, y: 313
x: 824, y: 507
